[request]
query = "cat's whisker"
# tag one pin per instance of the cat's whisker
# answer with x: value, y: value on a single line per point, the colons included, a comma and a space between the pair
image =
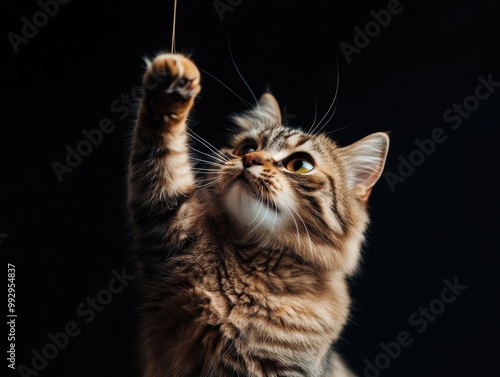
x: 239, y: 73
x: 260, y: 199
x: 267, y: 212
x: 290, y: 209
x: 205, y: 179
x: 210, y: 178
x: 289, y: 206
x: 333, y: 102
x: 223, y: 210
x: 328, y: 121
x: 272, y: 201
x: 204, y: 176
x: 208, y: 145
x: 208, y: 155
x: 257, y: 105
x: 295, y: 222
x: 206, y: 169
x: 206, y: 161
x: 225, y: 185
x: 210, y: 183
x: 267, y: 209
x: 286, y: 206
x: 339, y: 129
x: 305, y: 228
x: 244, y: 101
x: 313, y: 131
x: 315, y: 115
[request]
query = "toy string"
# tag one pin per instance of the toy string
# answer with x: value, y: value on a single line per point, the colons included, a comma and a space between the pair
x: 173, y: 27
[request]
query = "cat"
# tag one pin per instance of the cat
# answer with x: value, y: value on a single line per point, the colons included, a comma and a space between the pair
x: 243, y: 273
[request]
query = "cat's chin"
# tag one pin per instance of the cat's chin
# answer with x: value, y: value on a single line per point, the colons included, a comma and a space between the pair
x: 250, y: 211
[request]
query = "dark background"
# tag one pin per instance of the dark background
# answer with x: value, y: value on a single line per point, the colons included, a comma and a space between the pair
x: 65, y: 238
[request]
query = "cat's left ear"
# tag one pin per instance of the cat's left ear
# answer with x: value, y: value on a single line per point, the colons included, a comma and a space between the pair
x: 365, y: 161
x: 269, y: 107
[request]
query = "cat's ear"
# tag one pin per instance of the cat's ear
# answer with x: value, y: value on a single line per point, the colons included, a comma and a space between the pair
x: 270, y: 107
x: 365, y: 161
x: 266, y: 113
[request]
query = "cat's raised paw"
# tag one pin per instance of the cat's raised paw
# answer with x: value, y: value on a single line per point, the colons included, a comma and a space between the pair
x: 171, y: 82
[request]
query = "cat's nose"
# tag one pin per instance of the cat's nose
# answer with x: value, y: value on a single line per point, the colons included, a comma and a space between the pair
x: 250, y: 159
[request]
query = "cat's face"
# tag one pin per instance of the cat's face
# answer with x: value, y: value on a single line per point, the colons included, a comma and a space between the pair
x: 278, y: 176
x: 282, y: 186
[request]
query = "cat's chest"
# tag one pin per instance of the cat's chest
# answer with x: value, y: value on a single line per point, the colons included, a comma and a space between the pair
x: 272, y: 298
x: 260, y: 319
x: 262, y: 307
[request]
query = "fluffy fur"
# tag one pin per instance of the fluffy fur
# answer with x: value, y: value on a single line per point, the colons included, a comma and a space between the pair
x: 243, y: 271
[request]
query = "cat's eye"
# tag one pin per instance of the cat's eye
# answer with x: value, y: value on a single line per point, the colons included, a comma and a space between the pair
x: 248, y: 146
x: 299, y: 165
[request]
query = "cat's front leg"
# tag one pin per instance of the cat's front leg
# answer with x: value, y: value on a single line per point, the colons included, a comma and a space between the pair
x: 160, y: 174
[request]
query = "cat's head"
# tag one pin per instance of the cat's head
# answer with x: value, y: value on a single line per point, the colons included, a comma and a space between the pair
x: 282, y: 187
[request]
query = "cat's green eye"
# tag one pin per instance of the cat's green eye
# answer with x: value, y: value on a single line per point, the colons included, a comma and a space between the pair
x: 299, y: 165
x: 248, y: 146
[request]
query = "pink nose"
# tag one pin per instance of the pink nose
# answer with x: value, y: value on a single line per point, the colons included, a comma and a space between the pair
x: 250, y: 159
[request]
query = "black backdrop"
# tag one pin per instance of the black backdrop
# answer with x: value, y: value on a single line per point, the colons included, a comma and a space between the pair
x: 437, y: 222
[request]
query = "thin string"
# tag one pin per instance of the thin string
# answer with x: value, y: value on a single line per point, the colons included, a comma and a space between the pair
x: 172, y: 50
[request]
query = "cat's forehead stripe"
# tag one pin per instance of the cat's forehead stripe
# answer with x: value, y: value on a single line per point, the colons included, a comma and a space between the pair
x: 284, y: 138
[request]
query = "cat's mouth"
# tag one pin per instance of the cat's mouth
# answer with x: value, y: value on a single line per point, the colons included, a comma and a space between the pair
x: 258, y: 190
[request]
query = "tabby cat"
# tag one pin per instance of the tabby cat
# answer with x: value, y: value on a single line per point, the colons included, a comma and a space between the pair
x: 243, y: 273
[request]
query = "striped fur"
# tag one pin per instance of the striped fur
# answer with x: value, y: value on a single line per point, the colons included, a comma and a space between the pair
x: 243, y: 271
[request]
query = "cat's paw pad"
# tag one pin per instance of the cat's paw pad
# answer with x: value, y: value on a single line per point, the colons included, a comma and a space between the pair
x: 171, y: 81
